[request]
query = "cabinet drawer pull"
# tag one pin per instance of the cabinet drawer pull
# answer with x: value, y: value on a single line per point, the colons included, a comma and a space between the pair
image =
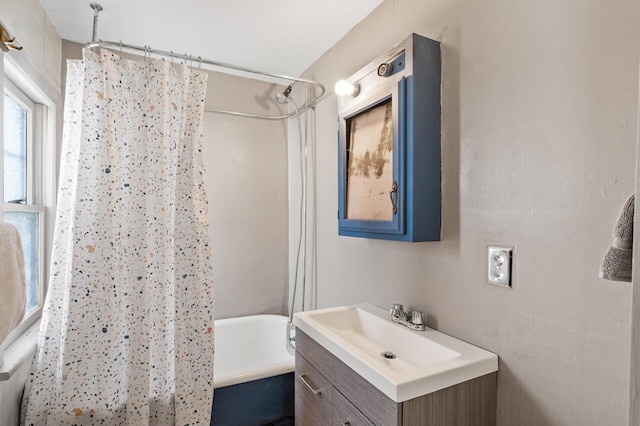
x: 315, y: 391
x: 345, y: 423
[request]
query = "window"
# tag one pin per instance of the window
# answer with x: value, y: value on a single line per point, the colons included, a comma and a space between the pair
x: 22, y: 192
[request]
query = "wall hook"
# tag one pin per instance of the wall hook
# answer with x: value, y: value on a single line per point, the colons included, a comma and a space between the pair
x: 6, y: 41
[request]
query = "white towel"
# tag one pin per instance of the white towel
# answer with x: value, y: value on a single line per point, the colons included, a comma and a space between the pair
x: 12, y: 280
x: 618, y: 260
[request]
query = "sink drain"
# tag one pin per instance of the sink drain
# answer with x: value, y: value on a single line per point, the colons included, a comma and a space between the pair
x: 388, y: 355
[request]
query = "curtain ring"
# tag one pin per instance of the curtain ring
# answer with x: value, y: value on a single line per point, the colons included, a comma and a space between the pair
x: 172, y: 57
x: 121, y: 48
x: 200, y: 64
x: 191, y: 60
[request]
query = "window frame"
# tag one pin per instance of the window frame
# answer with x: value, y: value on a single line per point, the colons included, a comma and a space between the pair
x: 21, y: 98
x: 38, y: 133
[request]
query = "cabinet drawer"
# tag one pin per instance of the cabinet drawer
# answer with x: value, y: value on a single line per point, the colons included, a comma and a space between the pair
x: 314, y: 394
x: 345, y: 414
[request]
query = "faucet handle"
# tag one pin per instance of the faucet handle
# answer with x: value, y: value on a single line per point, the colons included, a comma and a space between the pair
x: 397, y: 313
x: 416, y: 317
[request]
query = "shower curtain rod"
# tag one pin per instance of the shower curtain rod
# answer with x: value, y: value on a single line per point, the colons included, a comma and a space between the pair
x: 148, y: 50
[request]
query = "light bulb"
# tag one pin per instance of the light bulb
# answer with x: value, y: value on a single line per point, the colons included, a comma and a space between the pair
x: 343, y: 87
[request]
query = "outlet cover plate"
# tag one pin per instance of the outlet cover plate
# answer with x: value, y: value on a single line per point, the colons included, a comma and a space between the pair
x: 499, y: 265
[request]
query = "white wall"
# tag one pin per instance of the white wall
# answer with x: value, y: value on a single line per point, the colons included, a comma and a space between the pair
x: 40, y: 58
x: 246, y: 162
x: 38, y: 64
x: 539, y: 107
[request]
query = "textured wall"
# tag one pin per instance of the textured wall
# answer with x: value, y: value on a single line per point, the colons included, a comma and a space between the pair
x: 539, y: 107
x: 40, y: 58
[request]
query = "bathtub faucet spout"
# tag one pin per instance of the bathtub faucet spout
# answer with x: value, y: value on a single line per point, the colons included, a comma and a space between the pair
x: 291, y: 338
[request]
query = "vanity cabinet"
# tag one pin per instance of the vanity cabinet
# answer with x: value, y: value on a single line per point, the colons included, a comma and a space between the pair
x: 328, y: 392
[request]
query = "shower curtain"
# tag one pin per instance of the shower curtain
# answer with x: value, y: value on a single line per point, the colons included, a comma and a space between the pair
x: 127, y: 326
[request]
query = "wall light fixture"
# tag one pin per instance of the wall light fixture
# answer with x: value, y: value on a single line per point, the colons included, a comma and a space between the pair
x: 343, y: 87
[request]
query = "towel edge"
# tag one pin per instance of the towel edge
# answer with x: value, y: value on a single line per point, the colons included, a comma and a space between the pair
x: 614, y: 278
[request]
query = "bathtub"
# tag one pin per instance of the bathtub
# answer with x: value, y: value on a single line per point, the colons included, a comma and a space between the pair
x: 253, y: 371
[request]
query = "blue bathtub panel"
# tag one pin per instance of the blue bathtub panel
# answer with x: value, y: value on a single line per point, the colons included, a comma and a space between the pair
x: 256, y: 403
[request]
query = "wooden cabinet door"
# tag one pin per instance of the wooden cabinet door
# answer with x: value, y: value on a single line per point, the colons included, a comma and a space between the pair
x: 313, y: 405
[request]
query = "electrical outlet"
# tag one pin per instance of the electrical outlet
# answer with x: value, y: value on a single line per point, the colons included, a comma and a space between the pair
x: 499, y: 265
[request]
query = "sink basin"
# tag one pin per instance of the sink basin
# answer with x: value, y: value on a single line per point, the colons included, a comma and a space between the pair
x: 402, y: 363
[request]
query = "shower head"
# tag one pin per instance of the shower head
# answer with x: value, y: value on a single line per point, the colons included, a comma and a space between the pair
x: 283, y: 98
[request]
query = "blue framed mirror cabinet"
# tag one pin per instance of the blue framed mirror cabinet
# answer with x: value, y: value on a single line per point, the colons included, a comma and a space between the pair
x: 389, y: 156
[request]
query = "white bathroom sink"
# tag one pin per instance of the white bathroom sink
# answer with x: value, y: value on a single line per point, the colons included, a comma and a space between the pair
x: 402, y: 363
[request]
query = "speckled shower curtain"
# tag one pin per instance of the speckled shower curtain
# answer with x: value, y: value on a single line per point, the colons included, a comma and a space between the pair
x: 127, y: 328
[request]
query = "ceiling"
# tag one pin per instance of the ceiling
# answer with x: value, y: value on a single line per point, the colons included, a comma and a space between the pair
x: 278, y: 36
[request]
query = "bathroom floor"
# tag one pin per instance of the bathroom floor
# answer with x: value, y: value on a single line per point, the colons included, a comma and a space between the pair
x: 287, y: 421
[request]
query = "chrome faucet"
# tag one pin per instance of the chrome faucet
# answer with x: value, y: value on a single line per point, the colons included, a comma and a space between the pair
x: 412, y: 319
